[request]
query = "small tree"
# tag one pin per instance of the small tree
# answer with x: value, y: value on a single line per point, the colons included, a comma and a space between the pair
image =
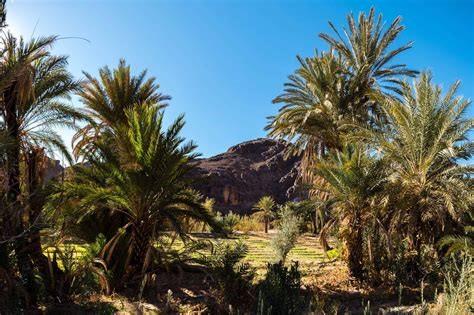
x: 288, y: 232
x: 265, y: 210
x: 208, y: 204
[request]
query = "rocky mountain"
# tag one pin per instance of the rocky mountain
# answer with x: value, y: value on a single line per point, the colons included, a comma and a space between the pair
x: 238, y: 178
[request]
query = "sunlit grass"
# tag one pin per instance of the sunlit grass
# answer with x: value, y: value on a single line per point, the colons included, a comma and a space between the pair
x: 307, y: 251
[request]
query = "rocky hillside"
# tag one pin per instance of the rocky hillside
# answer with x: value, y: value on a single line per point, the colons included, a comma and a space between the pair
x: 239, y: 177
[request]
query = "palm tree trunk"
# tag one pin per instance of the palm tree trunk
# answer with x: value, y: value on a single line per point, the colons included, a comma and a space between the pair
x: 141, y: 244
x: 35, y: 206
x: 355, y: 251
x: 4, y: 237
x: 266, y: 225
x: 314, y: 221
x: 25, y: 265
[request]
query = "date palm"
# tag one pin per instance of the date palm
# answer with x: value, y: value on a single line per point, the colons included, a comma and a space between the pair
x: 33, y: 104
x: 142, y: 172
x: 312, y: 116
x: 107, y: 98
x: 264, y: 210
x: 333, y: 89
x: 368, y: 56
x: 426, y: 139
x: 355, y: 184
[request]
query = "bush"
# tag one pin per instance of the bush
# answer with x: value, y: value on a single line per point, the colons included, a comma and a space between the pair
x: 458, y: 287
x: 279, y: 292
x: 287, y: 235
x: 248, y: 224
x: 233, y: 277
x: 409, y: 266
x: 228, y: 221
x: 81, y: 271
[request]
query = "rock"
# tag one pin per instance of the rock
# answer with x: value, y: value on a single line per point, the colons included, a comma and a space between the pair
x: 53, y: 169
x: 238, y: 178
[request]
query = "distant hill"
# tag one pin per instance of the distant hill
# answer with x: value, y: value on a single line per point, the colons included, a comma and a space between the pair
x: 238, y: 178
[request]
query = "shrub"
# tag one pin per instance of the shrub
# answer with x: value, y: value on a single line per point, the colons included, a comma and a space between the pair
x: 248, y: 224
x: 287, y: 235
x: 228, y: 221
x: 409, y: 266
x: 458, y: 287
x: 81, y: 271
x: 279, y: 292
x: 233, y: 277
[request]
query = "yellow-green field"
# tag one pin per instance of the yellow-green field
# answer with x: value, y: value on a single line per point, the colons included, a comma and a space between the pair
x: 308, y: 252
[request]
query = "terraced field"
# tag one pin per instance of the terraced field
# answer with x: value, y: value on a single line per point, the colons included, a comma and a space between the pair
x: 308, y: 252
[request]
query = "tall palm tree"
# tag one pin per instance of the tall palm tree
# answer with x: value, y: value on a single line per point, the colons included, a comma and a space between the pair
x: 16, y: 65
x: 33, y: 104
x: 142, y: 172
x: 107, y: 98
x: 264, y: 210
x: 311, y: 104
x: 425, y: 140
x: 368, y: 57
x: 312, y: 115
x: 333, y: 89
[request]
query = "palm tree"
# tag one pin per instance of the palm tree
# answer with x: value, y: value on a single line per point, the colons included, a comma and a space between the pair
x: 265, y: 210
x: 107, y: 98
x: 32, y: 105
x: 333, y: 89
x: 368, y: 58
x: 16, y: 72
x: 142, y: 172
x: 355, y: 184
x: 312, y: 115
x: 426, y: 138
x: 455, y: 244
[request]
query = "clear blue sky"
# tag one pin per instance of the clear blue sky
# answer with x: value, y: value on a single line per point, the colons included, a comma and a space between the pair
x: 224, y: 61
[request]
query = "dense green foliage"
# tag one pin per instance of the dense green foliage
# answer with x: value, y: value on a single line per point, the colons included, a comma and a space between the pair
x: 280, y: 291
x: 140, y: 173
x: 385, y: 172
x: 382, y: 157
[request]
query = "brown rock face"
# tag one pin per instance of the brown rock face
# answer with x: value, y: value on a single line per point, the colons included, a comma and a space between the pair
x: 238, y: 178
x: 50, y: 169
